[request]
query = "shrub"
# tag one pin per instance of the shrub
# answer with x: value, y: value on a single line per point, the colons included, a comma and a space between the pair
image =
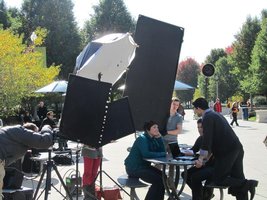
x: 259, y: 100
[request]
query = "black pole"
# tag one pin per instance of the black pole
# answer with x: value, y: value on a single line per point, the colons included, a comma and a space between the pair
x: 206, y: 88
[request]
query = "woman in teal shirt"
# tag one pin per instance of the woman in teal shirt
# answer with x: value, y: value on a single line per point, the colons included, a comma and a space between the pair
x: 147, y: 145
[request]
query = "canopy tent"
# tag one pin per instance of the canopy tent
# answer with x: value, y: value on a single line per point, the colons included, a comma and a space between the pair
x: 182, y: 86
x: 54, y: 87
x: 177, y: 86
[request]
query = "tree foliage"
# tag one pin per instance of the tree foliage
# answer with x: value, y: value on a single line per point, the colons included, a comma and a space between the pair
x: 21, y: 72
x: 227, y: 82
x: 63, y: 41
x: 109, y: 16
x: 3, y: 15
x: 203, y: 81
x: 242, y: 49
x: 187, y: 72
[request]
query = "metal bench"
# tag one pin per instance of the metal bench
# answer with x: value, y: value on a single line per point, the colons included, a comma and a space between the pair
x: 132, y: 183
x: 220, y: 187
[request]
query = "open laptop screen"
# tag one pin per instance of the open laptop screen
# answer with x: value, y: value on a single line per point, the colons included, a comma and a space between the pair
x: 175, y: 149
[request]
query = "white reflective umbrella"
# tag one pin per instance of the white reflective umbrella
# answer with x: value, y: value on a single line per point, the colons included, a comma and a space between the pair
x: 54, y: 87
x: 107, y: 57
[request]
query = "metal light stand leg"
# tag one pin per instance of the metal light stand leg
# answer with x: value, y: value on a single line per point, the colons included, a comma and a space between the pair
x: 48, y: 169
x: 76, y: 188
x: 101, y: 180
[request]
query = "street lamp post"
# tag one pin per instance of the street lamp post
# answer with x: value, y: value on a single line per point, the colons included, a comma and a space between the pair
x: 217, y: 85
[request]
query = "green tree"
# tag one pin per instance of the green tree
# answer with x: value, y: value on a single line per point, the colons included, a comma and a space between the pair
x: 258, y: 68
x: 109, y: 16
x: 14, y: 17
x: 63, y: 41
x: 21, y: 72
x: 203, y: 81
x: 240, y: 58
x: 3, y: 15
x: 227, y: 82
x: 187, y: 72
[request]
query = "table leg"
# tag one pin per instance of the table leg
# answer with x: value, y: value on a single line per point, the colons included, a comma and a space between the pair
x: 184, y: 180
x: 170, y: 187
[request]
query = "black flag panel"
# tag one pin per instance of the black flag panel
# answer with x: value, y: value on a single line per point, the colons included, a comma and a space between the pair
x: 84, y: 109
x: 151, y: 76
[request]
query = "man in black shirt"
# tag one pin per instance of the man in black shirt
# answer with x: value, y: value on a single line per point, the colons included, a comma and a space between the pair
x: 41, y: 111
x: 220, y: 139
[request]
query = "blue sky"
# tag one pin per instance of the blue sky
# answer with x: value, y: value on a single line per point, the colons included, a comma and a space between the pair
x: 208, y: 24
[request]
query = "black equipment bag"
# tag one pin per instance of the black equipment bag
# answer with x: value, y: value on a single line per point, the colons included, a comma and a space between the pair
x: 63, y: 159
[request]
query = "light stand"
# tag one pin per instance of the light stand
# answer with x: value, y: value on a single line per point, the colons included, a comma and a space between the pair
x: 47, y: 168
x: 77, y: 183
x: 100, y: 174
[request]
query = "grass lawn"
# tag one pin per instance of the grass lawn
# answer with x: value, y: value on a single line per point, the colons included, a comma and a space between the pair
x: 252, y: 119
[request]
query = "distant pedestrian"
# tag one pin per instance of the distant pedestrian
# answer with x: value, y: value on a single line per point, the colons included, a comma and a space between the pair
x: 234, y: 112
x: 217, y: 106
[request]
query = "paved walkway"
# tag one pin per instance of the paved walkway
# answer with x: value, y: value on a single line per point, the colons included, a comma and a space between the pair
x: 251, y: 135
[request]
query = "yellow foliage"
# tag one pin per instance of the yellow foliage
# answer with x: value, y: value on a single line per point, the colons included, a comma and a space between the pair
x: 21, y: 71
x: 41, y: 34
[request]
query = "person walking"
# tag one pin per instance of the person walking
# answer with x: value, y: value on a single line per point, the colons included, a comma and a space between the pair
x: 234, y: 112
x: 221, y: 140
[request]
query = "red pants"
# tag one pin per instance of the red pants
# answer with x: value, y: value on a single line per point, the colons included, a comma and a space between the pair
x: 90, y: 169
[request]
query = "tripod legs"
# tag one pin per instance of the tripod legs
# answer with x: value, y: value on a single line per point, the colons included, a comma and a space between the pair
x: 47, y: 169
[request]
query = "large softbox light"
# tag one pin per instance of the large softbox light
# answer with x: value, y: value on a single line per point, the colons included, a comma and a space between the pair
x: 151, y: 76
x: 89, y: 117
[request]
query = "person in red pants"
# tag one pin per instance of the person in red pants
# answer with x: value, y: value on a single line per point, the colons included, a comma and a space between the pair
x: 92, y: 159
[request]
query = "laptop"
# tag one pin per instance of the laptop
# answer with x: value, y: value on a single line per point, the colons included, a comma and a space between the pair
x: 177, y: 154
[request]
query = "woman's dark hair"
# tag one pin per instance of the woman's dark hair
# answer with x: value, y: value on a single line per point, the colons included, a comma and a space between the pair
x: 148, y: 125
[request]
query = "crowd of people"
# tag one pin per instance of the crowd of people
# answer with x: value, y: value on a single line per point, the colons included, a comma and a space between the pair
x: 220, y: 152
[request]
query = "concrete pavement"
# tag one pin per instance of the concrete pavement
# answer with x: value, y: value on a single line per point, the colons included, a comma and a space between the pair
x: 251, y: 135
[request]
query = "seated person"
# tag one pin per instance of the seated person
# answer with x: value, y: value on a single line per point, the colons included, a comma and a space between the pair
x: 147, y: 145
x: 49, y: 120
x: 27, y: 117
x: 195, y: 175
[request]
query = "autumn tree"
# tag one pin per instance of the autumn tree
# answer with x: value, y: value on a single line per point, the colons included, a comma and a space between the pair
x: 188, y: 71
x: 110, y: 16
x: 21, y: 72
